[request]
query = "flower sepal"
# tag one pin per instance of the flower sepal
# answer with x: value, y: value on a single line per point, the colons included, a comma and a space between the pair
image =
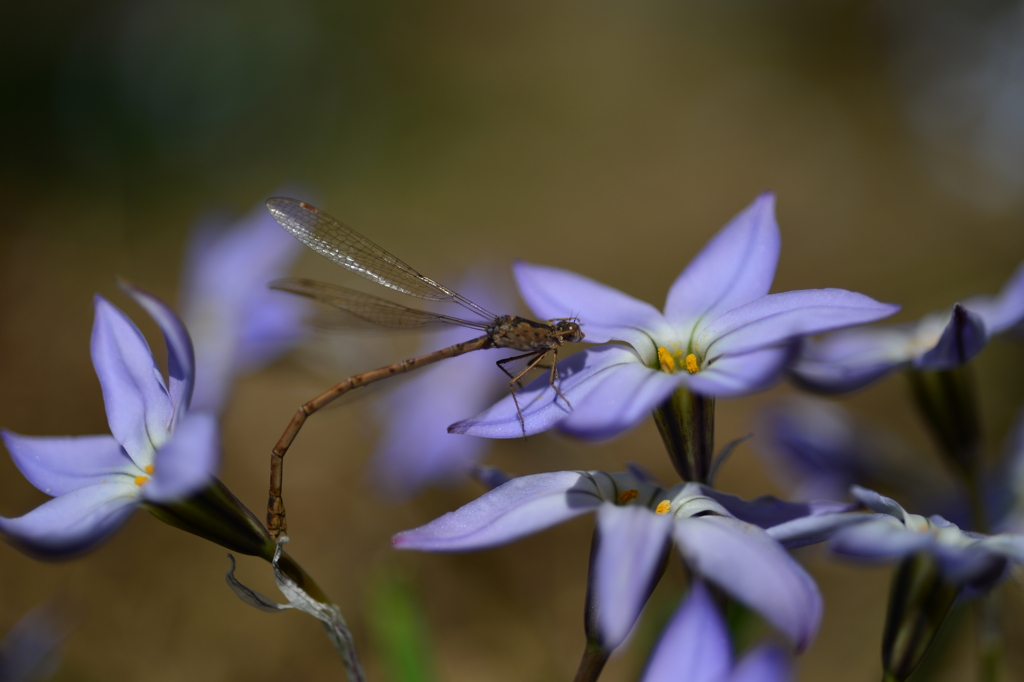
x: 686, y: 422
x: 919, y: 601
x: 946, y: 400
x: 215, y: 514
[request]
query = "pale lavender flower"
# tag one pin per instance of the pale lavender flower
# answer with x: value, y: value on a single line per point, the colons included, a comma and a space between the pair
x: 636, y: 520
x: 816, y: 449
x: 963, y: 558
x: 158, y: 452
x: 850, y: 359
x: 237, y: 323
x: 695, y: 647
x: 722, y: 334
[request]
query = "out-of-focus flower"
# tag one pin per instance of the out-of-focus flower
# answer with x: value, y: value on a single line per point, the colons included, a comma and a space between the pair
x: 937, y: 562
x: 722, y: 334
x: 960, y: 68
x: 158, y: 452
x: 636, y: 520
x: 849, y: 359
x: 816, y: 450
x: 695, y: 647
x: 30, y: 652
x: 964, y: 558
x: 416, y: 449
x: 237, y: 323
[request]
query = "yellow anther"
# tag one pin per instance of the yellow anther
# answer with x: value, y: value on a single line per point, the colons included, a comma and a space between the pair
x: 662, y: 507
x: 691, y: 364
x: 627, y: 496
x: 139, y: 480
x: 668, y: 363
x: 149, y: 469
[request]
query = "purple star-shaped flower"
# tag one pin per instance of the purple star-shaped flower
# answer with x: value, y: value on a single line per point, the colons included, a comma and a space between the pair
x: 636, y: 521
x: 695, y: 647
x: 891, y: 533
x: 850, y: 359
x: 158, y: 452
x: 721, y: 334
x: 237, y: 323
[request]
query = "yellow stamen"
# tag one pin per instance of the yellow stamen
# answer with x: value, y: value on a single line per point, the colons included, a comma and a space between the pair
x: 627, y: 496
x: 139, y: 480
x: 662, y: 507
x: 149, y: 469
x: 668, y: 363
x: 691, y: 364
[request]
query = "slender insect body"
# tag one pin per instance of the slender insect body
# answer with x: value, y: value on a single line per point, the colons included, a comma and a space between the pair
x: 343, y: 245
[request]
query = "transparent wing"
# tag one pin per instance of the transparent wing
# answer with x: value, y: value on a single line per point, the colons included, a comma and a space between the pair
x: 349, y: 249
x: 366, y: 307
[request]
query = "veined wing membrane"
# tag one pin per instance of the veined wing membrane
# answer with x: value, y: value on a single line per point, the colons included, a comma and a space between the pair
x: 351, y: 250
x: 377, y: 311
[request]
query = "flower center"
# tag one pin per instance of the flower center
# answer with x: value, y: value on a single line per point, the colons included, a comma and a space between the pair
x: 141, y: 480
x: 628, y: 496
x: 670, y: 361
x: 663, y: 507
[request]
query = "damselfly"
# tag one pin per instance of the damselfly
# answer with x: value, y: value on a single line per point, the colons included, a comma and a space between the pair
x: 349, y: 249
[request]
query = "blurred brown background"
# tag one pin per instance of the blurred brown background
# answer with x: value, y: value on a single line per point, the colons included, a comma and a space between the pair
x: 608, y: 138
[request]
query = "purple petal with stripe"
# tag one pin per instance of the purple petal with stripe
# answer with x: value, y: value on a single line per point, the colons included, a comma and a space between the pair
x: 737, y: 266
x: 521, y: 507
x: 58, y: 465
x: 605, y: 313
x: 631, y: 545
x: 745, y: 562
x: 139, y: 409
x: 73, y: 523
x: 694, y: 645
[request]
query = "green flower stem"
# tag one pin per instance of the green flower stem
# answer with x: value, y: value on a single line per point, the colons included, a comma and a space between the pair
x: 592, y: 663
x: 989, y: 645
x: 919, y: 601
x: 687, y: 425
x: 215, y: 514
x: 946, y: 400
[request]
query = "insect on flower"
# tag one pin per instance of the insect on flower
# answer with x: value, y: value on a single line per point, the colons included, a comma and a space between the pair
x: 349, y: 249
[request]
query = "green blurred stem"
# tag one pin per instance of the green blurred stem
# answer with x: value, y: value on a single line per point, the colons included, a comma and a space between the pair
x: 919, y: 601
x: 594, y: 658
x: 947, y: 402
x: 687, y: 425
x: 990, y: 646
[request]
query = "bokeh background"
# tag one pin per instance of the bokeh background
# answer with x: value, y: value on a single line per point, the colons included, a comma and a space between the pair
x: 609, y: 138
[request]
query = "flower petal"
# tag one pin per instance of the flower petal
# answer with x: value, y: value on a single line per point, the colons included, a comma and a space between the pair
x: 745, y: 562
x: 1004, y: 311
x: 631, y: 544
x: 139, y: 409
x: 883, y: 537
x: 735, y: 375
x: 73, y: 523
x: 181, y: 360
x: 187, y: 462
x: 58, y: 465
x: 734, y: 268
x: 850, y: 359
x: 961, y: 340
x: 542, y: 408
x: 810, y: 530
x: 775, y: 318
x: 764, y: 664
x: 624, y: 397
x: 522, y: 506
x: 605, y: 313
x: 694, y: 645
